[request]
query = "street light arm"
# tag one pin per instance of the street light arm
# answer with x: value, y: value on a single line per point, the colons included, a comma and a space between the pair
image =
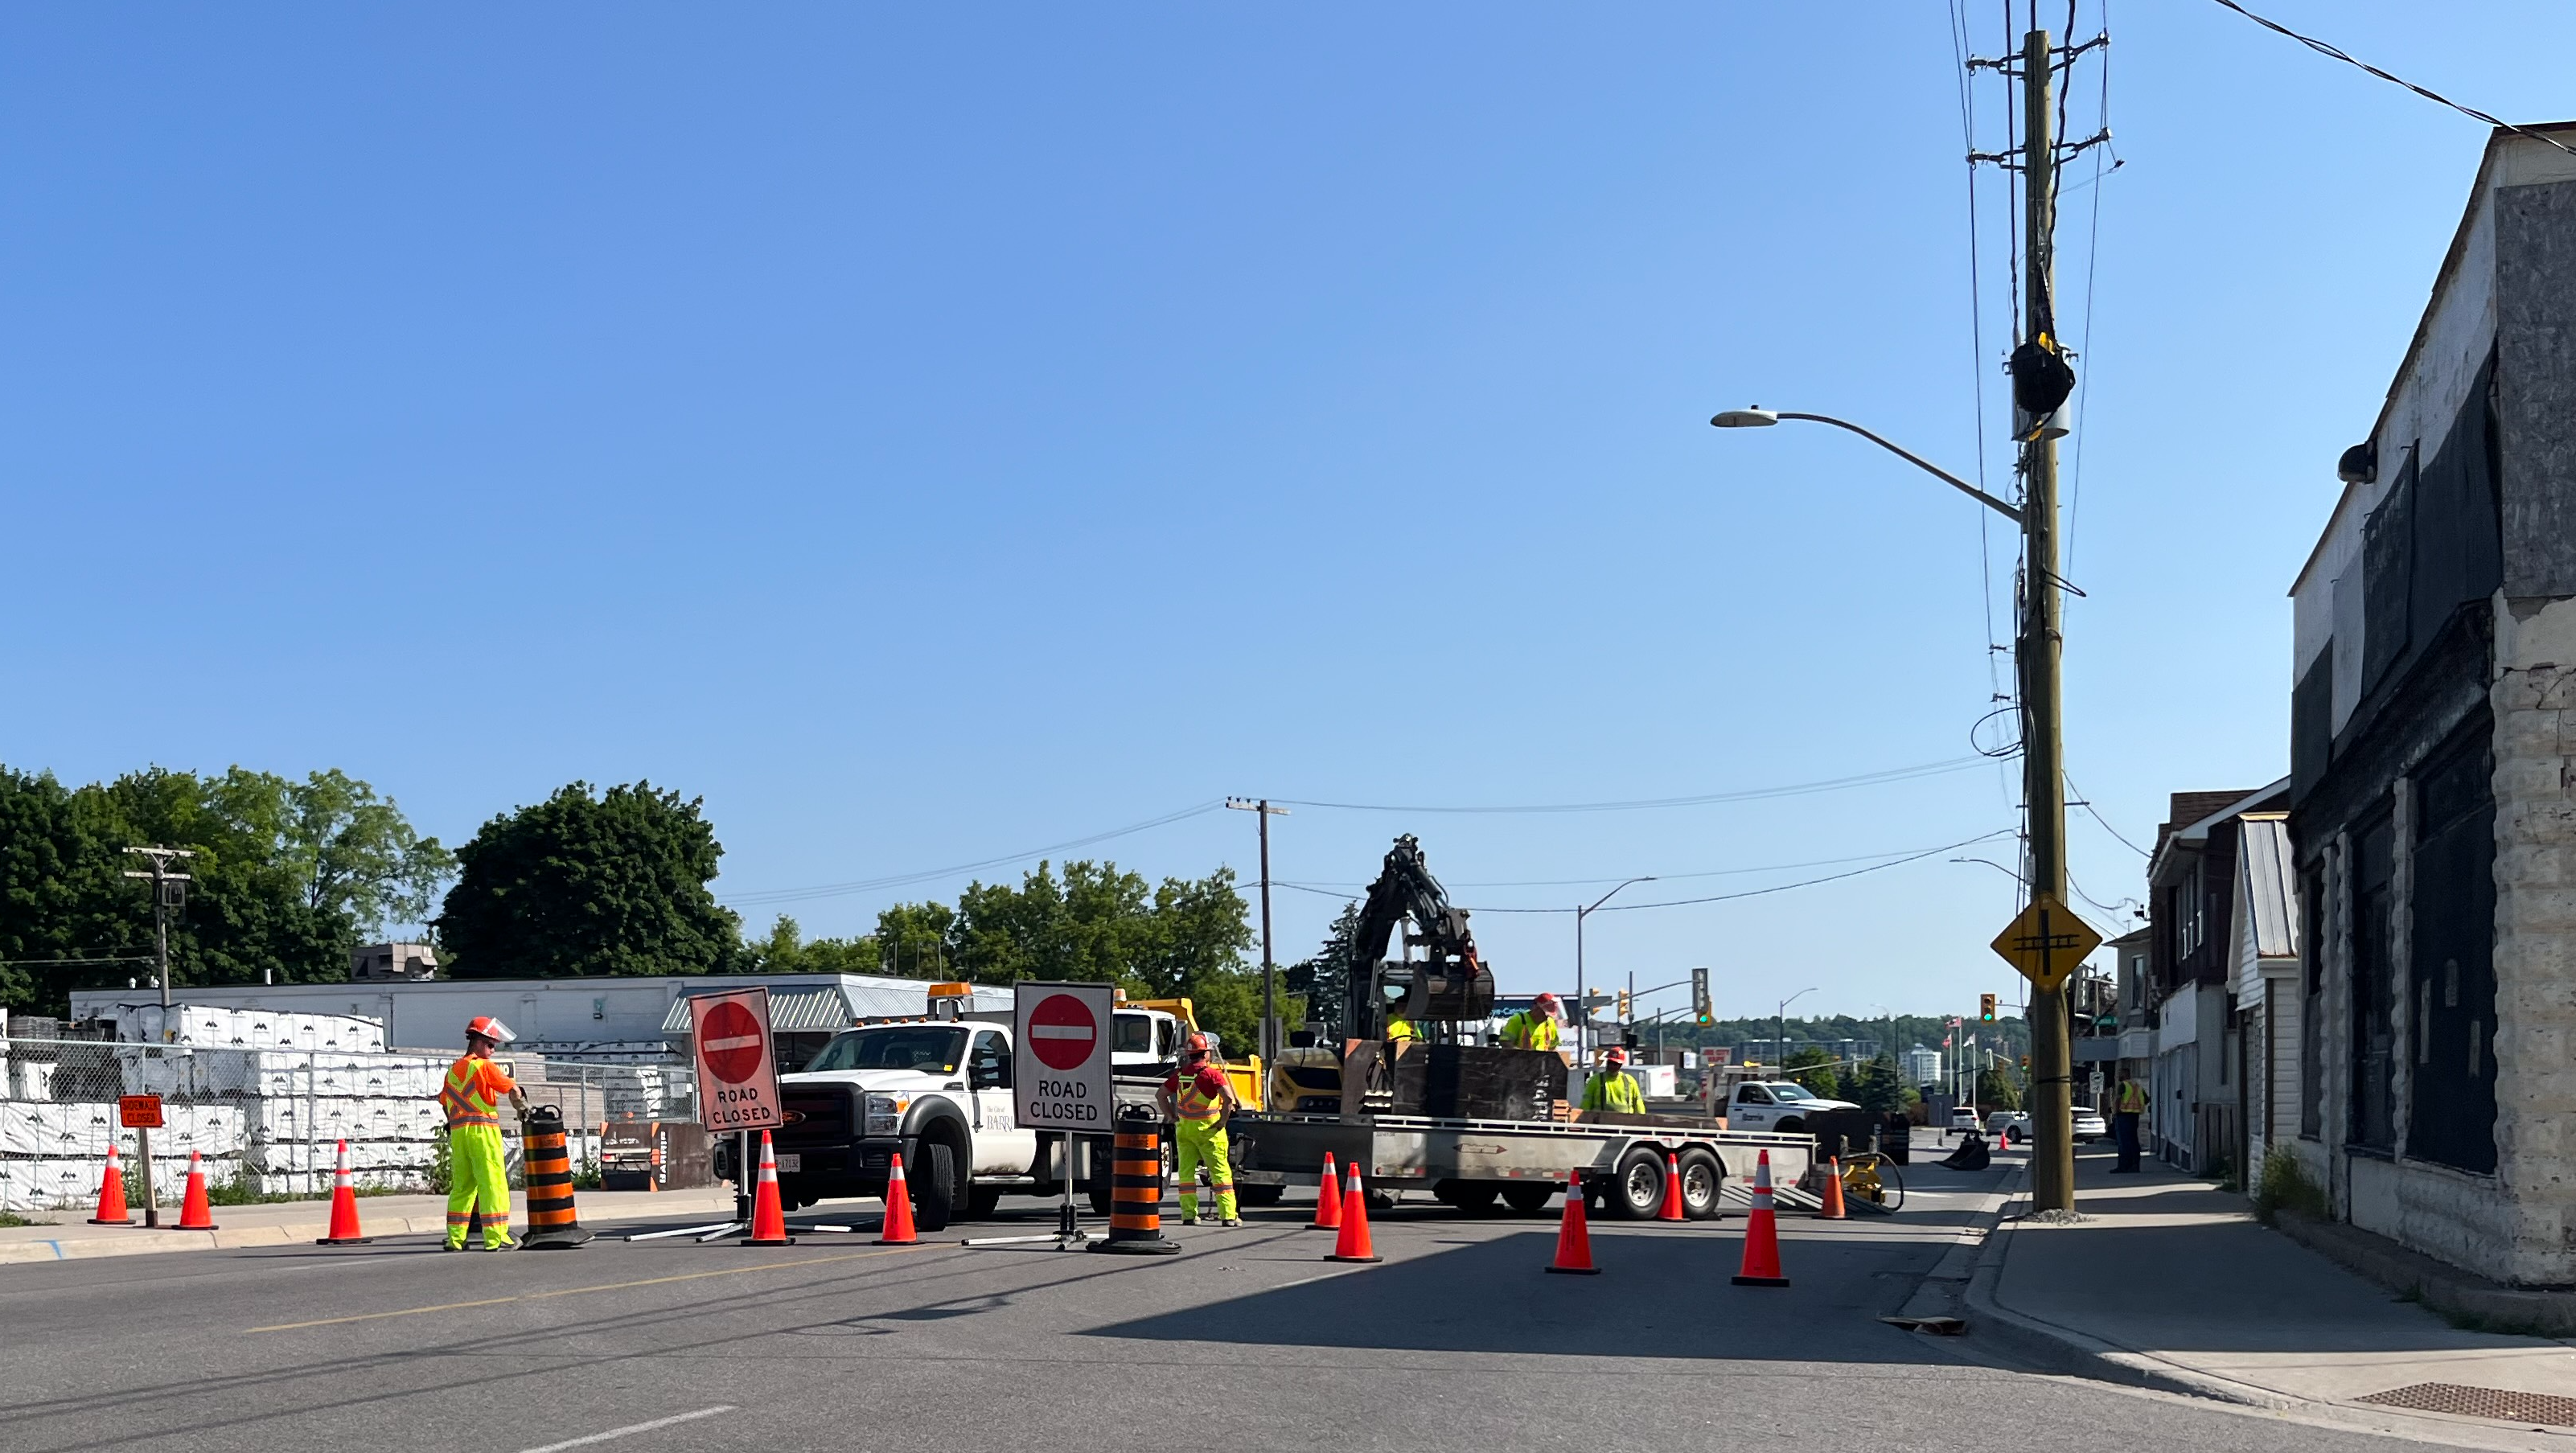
x: 2010, y: 512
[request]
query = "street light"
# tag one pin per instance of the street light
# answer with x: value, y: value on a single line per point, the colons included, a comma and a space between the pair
x: 1780, y: 1025
x: 2036, y: 648
x: 1583, y: 1009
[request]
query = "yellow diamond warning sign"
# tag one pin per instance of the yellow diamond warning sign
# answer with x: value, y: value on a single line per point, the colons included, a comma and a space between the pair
x: 2047, y: 942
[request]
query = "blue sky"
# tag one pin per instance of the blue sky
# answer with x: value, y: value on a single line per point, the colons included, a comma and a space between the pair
x: 930, y: 435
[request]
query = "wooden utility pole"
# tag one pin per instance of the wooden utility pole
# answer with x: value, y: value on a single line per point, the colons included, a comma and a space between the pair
x: 1268, y: 1039
x: 2052, y: 1162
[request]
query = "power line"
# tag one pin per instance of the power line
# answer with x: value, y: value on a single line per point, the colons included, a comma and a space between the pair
x: 899, y: 880
x: 1325, y: 886
x: 1775, y: 888
x: 2336, y: 53
x: 1750, y: 794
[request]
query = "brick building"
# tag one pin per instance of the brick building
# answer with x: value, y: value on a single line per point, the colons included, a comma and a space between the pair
x: 2432, y: 820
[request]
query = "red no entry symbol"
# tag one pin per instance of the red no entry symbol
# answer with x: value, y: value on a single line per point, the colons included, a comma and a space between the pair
x: 730, y: 1040
x: 1062, y: 1032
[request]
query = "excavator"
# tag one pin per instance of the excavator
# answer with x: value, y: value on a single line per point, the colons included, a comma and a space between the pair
x: 1446, y: 993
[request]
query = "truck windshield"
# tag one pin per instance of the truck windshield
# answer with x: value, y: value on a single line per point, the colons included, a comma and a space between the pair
x: 1798, y: 1092
x: 1135, y: 1034
x: 929, y: 1048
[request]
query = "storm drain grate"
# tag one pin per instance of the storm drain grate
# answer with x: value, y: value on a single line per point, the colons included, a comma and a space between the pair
x: 2480, y: 1402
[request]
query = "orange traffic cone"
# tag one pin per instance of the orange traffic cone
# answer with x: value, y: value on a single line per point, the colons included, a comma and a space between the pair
x: 1328, y: 1200
x: 768, y: 1218
x: 1353, y: 1242
x: 194, y: 1215
x: 898, y: 1198
x: 1672, y: 1208
x: 1761, y: 1234
x: 111, y: 1195
x: 1573, y: 1234
x: 344, y: 1208
x: 1832, y: 1210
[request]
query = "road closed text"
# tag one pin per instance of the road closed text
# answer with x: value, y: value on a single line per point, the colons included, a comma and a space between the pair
x: 1064, y: 1102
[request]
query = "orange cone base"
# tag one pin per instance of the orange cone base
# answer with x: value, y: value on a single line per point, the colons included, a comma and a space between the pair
x: 344, y: 1241
x: 769, y: 1241
x: 1587, y: 1271
x: 1337, y: 1256
x: 1757, y: 1281
x: 119, y: 1221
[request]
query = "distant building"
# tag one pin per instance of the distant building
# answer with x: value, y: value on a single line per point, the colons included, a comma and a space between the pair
x: 1922, y: 1066
x: 382, y: 961
x: 2194, y: 1120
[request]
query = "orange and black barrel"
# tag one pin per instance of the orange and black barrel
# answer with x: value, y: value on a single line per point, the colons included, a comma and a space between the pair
x: 552, y: 1222
x: 1136, y: 1187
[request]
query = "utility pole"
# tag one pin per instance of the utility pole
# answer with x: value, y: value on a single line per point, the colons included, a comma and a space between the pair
x: 2036, y: 654
x: 169, y: 890
x: 1269, y: 972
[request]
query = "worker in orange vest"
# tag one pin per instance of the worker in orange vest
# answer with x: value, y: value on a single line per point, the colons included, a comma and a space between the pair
x: 477, y: 1180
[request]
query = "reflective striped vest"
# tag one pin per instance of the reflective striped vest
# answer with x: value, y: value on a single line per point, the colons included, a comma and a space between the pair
x: 1614, y: 1090
x: 1398, y: 1030
x: 1195, y: 1103
x: 2133, y: 1097
x: 1529, y: 1031
x: 462, y: 1098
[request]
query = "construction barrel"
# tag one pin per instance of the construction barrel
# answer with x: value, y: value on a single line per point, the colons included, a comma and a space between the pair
x: 1136, y: 1187
x: 552, y: 1222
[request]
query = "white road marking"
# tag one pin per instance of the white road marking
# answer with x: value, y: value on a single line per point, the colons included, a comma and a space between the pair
x: 632, y: 1428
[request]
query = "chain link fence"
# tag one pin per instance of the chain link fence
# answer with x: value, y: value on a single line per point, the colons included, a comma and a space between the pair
x: 266, y: 1122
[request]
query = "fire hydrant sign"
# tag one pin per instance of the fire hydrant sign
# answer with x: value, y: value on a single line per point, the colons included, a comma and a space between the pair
x: 737, y: 1078
x: 1063, y: 1035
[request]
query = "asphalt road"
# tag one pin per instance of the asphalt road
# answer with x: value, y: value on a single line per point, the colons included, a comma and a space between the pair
x: 1248, y: 1340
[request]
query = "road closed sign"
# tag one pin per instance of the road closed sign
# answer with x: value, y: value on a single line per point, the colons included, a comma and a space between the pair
x: 1063, y: 1033
x: 737, y: 1078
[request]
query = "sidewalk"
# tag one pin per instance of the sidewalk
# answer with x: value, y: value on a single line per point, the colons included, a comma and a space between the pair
x: 284, y: 1223
x: 2169, y: 1282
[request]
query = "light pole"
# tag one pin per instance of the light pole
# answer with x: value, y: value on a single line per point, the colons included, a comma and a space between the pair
x: 1583, y: 1009
x: 2035, y: 661
x: 1780, y: 1025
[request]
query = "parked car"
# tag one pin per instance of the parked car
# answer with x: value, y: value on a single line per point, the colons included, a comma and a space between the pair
x: 1963, y: 1117
x: 2008, y: 1127
x: 2089, y: 1125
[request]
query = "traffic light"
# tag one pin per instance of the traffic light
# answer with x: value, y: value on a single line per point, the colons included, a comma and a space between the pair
x: 1700, y: 1007
x: 2025, y: 1061
x: 1623, y: 1006
x: 1986, y: 1007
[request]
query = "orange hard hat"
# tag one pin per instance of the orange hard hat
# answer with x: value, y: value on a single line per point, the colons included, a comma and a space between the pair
x: 1547, y: 1004
x: 1196, y: 1047
x: 1616, y: 1057
x: 484, y: 1026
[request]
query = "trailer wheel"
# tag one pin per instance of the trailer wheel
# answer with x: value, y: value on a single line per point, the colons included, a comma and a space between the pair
x: 1702, y: 1178
x: 1262, y: 1195
x: 1472, y: 1198
x: 1637, y: 1191
x: 1528, y: 1197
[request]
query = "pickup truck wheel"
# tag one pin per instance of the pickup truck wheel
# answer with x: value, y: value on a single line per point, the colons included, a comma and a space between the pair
x: 1528, y: 1197
x: 1702, y: 1178
x: 1791, y: 1126
x: 982, y: 1202
x: 934, y: 1190
x: 1637, y: 1191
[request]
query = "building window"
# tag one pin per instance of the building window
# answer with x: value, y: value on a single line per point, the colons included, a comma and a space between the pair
x: 2374, y: 989
x: 2451, y: 1105
x: 2312, y: 1001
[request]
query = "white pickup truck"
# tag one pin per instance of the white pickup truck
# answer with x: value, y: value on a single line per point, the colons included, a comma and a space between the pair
x: 939, y: 1091
x: 1776, y: 1106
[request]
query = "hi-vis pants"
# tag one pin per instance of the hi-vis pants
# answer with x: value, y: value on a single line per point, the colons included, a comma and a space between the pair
x: 477, y: 1180
x: 1204, y: 1141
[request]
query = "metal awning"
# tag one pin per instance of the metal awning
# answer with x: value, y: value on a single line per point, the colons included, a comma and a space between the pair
x: 789, y: 1009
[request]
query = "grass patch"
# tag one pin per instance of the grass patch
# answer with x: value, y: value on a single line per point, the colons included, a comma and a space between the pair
x: 12, y: 1218
x: 2285, y: 1185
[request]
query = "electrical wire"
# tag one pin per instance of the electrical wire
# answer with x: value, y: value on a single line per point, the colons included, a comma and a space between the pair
x: 899, y: 880
x: 1750, y: 794
x: 1775, y: 888
x: 1320, y: 885
x: 2335, y: 53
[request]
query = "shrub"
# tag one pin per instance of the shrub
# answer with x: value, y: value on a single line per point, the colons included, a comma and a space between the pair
x: 2284, y: 1183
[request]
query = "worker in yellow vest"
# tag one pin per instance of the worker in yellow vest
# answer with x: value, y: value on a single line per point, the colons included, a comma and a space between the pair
x: 1198, y: 1098
x: 471, y: 1100
x: 2128, y: 1110
x: 1534, y: 1027
x: 1401, y: 1031
x: 1612, y: 1088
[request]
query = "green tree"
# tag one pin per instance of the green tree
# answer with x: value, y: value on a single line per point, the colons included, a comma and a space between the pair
x: 1814, y: 1068
x: 1874, y: 1086
x: 785, y: 950
x: 586, y: 884
x: 1996, y: 1090
x: 70, y: 919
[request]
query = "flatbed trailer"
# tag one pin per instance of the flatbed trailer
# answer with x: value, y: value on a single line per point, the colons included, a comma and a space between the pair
x: 1471, y: 1163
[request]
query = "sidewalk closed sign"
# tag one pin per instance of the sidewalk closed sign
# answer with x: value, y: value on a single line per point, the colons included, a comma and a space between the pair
x: 1063, y: 1033
x: 737, y: 1078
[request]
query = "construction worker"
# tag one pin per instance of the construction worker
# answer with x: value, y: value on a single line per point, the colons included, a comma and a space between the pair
x: 471, y: 1100
x: 2128, y: 1111
x: 1534, y: 1027
x: 1401, y: 1031
x: 1611, y: 1088
x: 1198, y: 1097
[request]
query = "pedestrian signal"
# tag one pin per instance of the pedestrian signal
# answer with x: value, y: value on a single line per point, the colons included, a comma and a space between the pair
x: 1986, y: 1007
x: 1700, y: 1007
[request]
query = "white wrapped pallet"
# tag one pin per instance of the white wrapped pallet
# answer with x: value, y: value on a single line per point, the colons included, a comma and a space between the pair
x: 30, y: 1079
x: 327, y: 1118
x: 306, y: 1183
x: 306, y: 1156
x: 207, y: 1027
x: 72, y: 1185
x: 81, y: 1131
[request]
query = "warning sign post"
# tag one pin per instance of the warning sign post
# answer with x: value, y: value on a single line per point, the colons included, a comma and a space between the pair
x: 737, y: 1077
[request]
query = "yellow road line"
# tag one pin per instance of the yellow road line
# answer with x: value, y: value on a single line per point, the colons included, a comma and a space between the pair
x: 614, y: 1286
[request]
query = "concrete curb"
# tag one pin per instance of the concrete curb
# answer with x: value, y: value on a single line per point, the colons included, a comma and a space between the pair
x: 2443, y: 1288
x: 2047, y: 1347
x: 293, y: 1233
